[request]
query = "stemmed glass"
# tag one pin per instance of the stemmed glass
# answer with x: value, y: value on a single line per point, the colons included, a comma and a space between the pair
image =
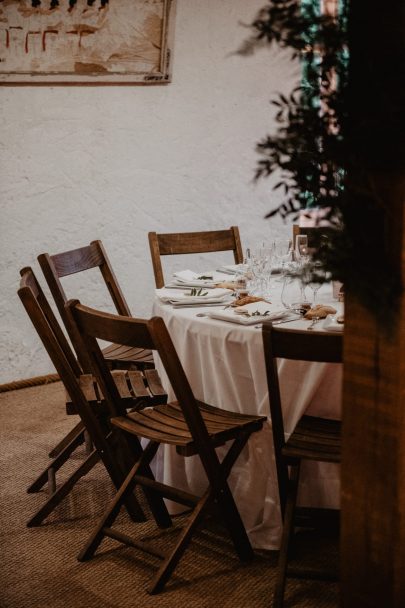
x: 317, y: 276
x: 282, y: 253
x: 243, y: 275
x: 301, y: 255
x: 266, y: 256
x: 257, y: 267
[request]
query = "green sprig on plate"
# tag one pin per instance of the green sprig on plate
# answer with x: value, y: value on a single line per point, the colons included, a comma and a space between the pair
x: 197, y: 291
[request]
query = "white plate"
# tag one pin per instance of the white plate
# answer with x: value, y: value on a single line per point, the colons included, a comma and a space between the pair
x: 233, y: 314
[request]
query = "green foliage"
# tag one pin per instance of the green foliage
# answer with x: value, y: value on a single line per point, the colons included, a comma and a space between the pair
x: 307, y: 152
x: 316, y: 153
x: 197, y: 291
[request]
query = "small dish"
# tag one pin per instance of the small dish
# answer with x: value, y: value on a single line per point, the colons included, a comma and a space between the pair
x: 331, y: 323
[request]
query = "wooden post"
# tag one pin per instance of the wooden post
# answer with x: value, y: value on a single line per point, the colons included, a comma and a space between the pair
x: 373, y: 464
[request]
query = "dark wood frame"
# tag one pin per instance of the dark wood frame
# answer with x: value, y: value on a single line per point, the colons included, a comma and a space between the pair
x: 87, y: 400
x: 313, y: 438
x: 178, y: 243
x: 193, y: 427
x: 70, y: 262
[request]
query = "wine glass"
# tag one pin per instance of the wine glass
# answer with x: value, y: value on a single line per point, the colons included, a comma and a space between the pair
x: 243, y: 275
x: 266, y: 257
x: 316, y: 277
x: 256, y: 271
x: 282, y: 253
x: 240, y: 283
x: 302, y: 257
x: 291, y: 294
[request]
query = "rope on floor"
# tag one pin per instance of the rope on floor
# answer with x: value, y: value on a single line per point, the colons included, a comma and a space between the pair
x: 37, y: 381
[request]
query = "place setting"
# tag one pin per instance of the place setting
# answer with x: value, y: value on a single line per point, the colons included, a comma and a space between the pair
x: 271, y: 284
x: 192, y: 289
x: 275, y: 282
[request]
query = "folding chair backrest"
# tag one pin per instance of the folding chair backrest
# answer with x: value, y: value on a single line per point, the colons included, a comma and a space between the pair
x: 45, y: 322
x: 152, y: 334
x: 52, y: 337
x: 60, y: 265
x: 179, y: 243
x: 41, y: 315
x: 282, y: 343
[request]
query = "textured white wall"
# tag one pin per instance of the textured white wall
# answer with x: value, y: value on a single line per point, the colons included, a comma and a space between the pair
x: 115, y: 162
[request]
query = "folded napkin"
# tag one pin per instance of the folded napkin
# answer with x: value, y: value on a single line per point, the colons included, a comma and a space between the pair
x: 331, y: 324
x: 188, y: 278
x: 251, y: 314
x: 229, y: 269
x: 176, y: 296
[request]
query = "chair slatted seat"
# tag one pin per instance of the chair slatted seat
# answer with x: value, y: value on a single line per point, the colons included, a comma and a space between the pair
x: 132, y: 386
x: 179, y: 243
x: 60, y: 265
x: 314, y: 438
x: 85, y: 397
x: 168, y: 425
x: 193, y: 427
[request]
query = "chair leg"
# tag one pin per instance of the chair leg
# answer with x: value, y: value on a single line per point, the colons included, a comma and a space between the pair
x: 88, y: 442
x: 154, y: 499
x: 64, y: 490
x: 76, y: 431
x: 171, y: 561
x: 119, y: 499
x: 101, y: 439
x: 227, y: 504
x: 51, y: 481
x: 220, y: 491
x: 56, y: 464
x: 288, y: 529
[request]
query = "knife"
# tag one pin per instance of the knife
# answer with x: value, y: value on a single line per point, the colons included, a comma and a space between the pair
x: 286, y: 320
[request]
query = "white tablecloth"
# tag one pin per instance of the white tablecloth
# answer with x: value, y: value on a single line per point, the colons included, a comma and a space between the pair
x: 224, y: 364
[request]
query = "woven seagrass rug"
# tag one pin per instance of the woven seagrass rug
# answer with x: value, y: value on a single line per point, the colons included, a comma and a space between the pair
x: 39, y: 566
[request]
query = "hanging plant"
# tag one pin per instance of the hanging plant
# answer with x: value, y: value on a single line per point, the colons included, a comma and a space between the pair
x: 310, y: 152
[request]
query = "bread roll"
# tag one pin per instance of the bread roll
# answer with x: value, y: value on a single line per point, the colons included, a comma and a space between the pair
x: 320, y: 311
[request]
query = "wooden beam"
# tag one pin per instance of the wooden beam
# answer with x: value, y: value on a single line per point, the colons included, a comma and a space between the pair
x: 373, y: 460
x: 373, y: 464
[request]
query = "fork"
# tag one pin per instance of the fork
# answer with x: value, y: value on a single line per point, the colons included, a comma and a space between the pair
x: 315, y: 320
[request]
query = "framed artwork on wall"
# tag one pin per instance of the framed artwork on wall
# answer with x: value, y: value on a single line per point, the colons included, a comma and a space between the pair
x: 73, y: 42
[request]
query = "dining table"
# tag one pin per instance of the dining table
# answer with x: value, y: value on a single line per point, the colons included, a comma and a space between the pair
x: 225, y: 366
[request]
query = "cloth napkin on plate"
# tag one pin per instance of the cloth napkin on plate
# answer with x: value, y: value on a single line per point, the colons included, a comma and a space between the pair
x: 251, y: 314
x: 229, y: 269
x: 188, y: 278
x: 178, y: 297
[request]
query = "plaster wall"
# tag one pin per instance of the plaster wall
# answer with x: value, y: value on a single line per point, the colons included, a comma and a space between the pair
x: 112, y: 163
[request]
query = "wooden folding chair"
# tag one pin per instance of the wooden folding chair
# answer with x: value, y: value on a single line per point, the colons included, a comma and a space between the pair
x: 192, y: 242
x: 55, y: 267
x: 136, y: 389
x: 313, y: 438
x: 193, y: 427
